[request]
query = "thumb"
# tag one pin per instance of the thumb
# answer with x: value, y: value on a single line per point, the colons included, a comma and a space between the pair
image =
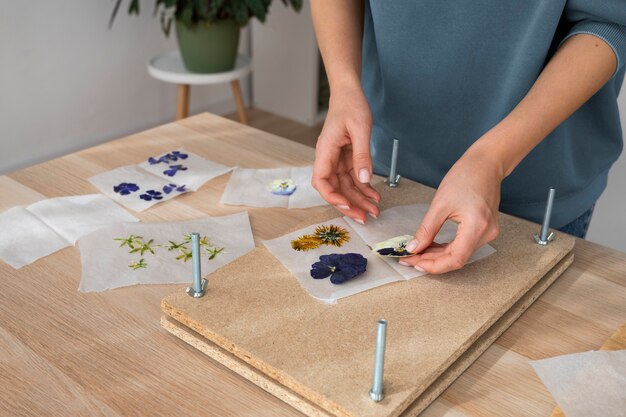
x: 361, y: 157
x: 427, y: 230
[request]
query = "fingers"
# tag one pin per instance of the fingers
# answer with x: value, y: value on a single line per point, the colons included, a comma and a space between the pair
x: 324, y: 178
x: 428, y: 229
x: 361, y: 158
x: 360, y: 204
x: 366, y: 188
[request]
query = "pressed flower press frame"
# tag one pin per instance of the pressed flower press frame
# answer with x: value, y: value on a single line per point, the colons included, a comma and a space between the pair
x: 318, y: 357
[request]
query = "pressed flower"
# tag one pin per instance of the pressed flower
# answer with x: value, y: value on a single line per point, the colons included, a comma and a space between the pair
x: 394, y: 247
x: 340, y: 267
x: 138, y: 264
x: 171, y: 187
x: 174, y: 169
x: 125, y: 188
x: 151, y: 195
x: 332, y: 235
x: 131, y: 241
x: 172, y: 156
x: 306, y: 242
x: 283, y: 187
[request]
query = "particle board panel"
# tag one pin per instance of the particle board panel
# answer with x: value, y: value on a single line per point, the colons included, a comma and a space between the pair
x: 255, y: 310
x: 430, y: 394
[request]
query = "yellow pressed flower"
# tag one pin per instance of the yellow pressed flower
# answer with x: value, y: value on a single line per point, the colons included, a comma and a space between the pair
x: 332, y: 235
x: 306, y: 242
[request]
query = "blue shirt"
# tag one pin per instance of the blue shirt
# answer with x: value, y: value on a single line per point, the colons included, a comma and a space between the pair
x: 439, y: 74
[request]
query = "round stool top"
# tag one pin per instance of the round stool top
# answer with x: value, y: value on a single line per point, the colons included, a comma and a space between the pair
x: 169, y: 67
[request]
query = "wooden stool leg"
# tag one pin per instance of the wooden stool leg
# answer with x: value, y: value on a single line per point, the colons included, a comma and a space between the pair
x: 239, y: 101
x: 182, y: 110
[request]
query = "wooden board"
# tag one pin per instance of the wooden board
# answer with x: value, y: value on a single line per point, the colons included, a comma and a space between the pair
x: 616, y: 342
x: 255, y: 310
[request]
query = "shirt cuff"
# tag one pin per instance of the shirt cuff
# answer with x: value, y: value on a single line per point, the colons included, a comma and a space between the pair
x: 611, y: 33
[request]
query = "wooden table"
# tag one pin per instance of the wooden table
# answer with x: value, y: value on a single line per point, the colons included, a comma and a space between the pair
x: 67, y: 353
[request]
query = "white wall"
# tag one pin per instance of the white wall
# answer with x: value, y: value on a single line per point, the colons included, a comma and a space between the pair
x: 608, y: 224
x: 68, y: 82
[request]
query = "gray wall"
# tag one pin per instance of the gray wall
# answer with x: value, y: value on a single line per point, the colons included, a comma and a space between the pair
x: 67, y: 82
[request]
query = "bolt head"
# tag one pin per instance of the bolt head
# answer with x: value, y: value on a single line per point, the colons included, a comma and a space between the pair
x: 377, y: 396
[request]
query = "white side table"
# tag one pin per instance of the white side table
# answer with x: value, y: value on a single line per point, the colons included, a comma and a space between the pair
x: 169, y: 67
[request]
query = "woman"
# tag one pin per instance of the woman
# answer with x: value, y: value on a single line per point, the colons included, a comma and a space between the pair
x: 493, y: 102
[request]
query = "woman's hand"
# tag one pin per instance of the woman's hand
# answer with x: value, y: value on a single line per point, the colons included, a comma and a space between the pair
x: 469, y: 195
x: 343, y: 164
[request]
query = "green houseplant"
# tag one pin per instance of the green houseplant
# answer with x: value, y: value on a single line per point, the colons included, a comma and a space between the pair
x: 207, y: 30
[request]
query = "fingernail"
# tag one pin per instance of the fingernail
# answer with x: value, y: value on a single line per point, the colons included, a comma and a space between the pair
x: 404, y: 263
x: 412, y: 245
x: 343, y: 207
x: 359, y: 221
x: 372, y: 215
x: 364, y: 175
x: 418, y: 268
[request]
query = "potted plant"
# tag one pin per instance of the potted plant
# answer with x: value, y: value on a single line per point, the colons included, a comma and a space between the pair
x: 207, y: 30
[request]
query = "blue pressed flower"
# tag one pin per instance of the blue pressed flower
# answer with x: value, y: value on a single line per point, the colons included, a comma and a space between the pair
x: 165, y: 159
x: 171, y: 187
x: 174, y: 169
x: 394, y: 247
x: 340, y: 267
x: 177, y: 154
x: 283, y: 187
x: 151, y: 195
x: 125, y: 188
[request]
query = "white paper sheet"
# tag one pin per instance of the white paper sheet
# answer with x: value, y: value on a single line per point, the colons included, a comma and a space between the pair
x: 252, y: 187
x: 49, y: 225
x: 155, y: 182
x: 25, y: 238
x: 380, y: 270
x: 106, y: 264
x: 404, y: 220
x: 588, y: 384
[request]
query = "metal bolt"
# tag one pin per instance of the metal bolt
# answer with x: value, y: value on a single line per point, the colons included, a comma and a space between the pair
x: 376, y: 392
x: 199, y: 284
x: 545, y: 236
x: 393, y: 179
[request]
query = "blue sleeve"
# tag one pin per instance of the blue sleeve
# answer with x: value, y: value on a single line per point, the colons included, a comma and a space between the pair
x: 605, y: 19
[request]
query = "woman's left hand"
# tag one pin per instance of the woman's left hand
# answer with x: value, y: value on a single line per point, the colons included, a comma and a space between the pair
x: 469, y: 195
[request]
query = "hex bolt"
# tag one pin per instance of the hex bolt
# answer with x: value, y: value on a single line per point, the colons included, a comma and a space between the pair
x: 199, y: 284
x: 393, y: 179
x: 545, y: 236
x: 376, y: 392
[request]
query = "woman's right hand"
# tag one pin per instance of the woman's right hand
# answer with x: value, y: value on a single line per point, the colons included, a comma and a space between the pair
x: 343, y: 164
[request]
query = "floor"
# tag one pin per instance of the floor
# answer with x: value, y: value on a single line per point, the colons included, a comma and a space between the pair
x: 281, y: 126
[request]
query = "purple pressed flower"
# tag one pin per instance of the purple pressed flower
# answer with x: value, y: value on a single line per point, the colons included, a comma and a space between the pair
x: 174, y: 169
x: 340, y: 267
x: 177, y: 154
x: 171, y: 187
x: 125, y: 188
x: 151, y: 195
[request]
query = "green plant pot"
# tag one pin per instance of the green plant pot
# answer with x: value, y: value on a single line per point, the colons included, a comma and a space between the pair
x: 208, y: 47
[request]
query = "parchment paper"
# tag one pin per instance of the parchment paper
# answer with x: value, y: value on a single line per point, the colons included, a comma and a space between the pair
x: 404, y: 220
x: 106, y: 265
x: 251, y: 187
x: 152, y: 177
x: 391, y: 222
x: 49, y: 225
x: 588, y: 384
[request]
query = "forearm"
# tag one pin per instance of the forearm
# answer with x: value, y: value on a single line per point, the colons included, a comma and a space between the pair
x: 339, y: 29
x: 581, y: 66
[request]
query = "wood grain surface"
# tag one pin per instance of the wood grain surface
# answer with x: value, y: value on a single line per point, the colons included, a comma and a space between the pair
x: 67, y: 353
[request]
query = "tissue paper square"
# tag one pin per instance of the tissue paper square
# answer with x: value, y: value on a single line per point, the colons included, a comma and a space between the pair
x: 298, y: 251
x: 157, y: 179
x: 278, y: 187
x: 160, y: 253
x: 49, y: 225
